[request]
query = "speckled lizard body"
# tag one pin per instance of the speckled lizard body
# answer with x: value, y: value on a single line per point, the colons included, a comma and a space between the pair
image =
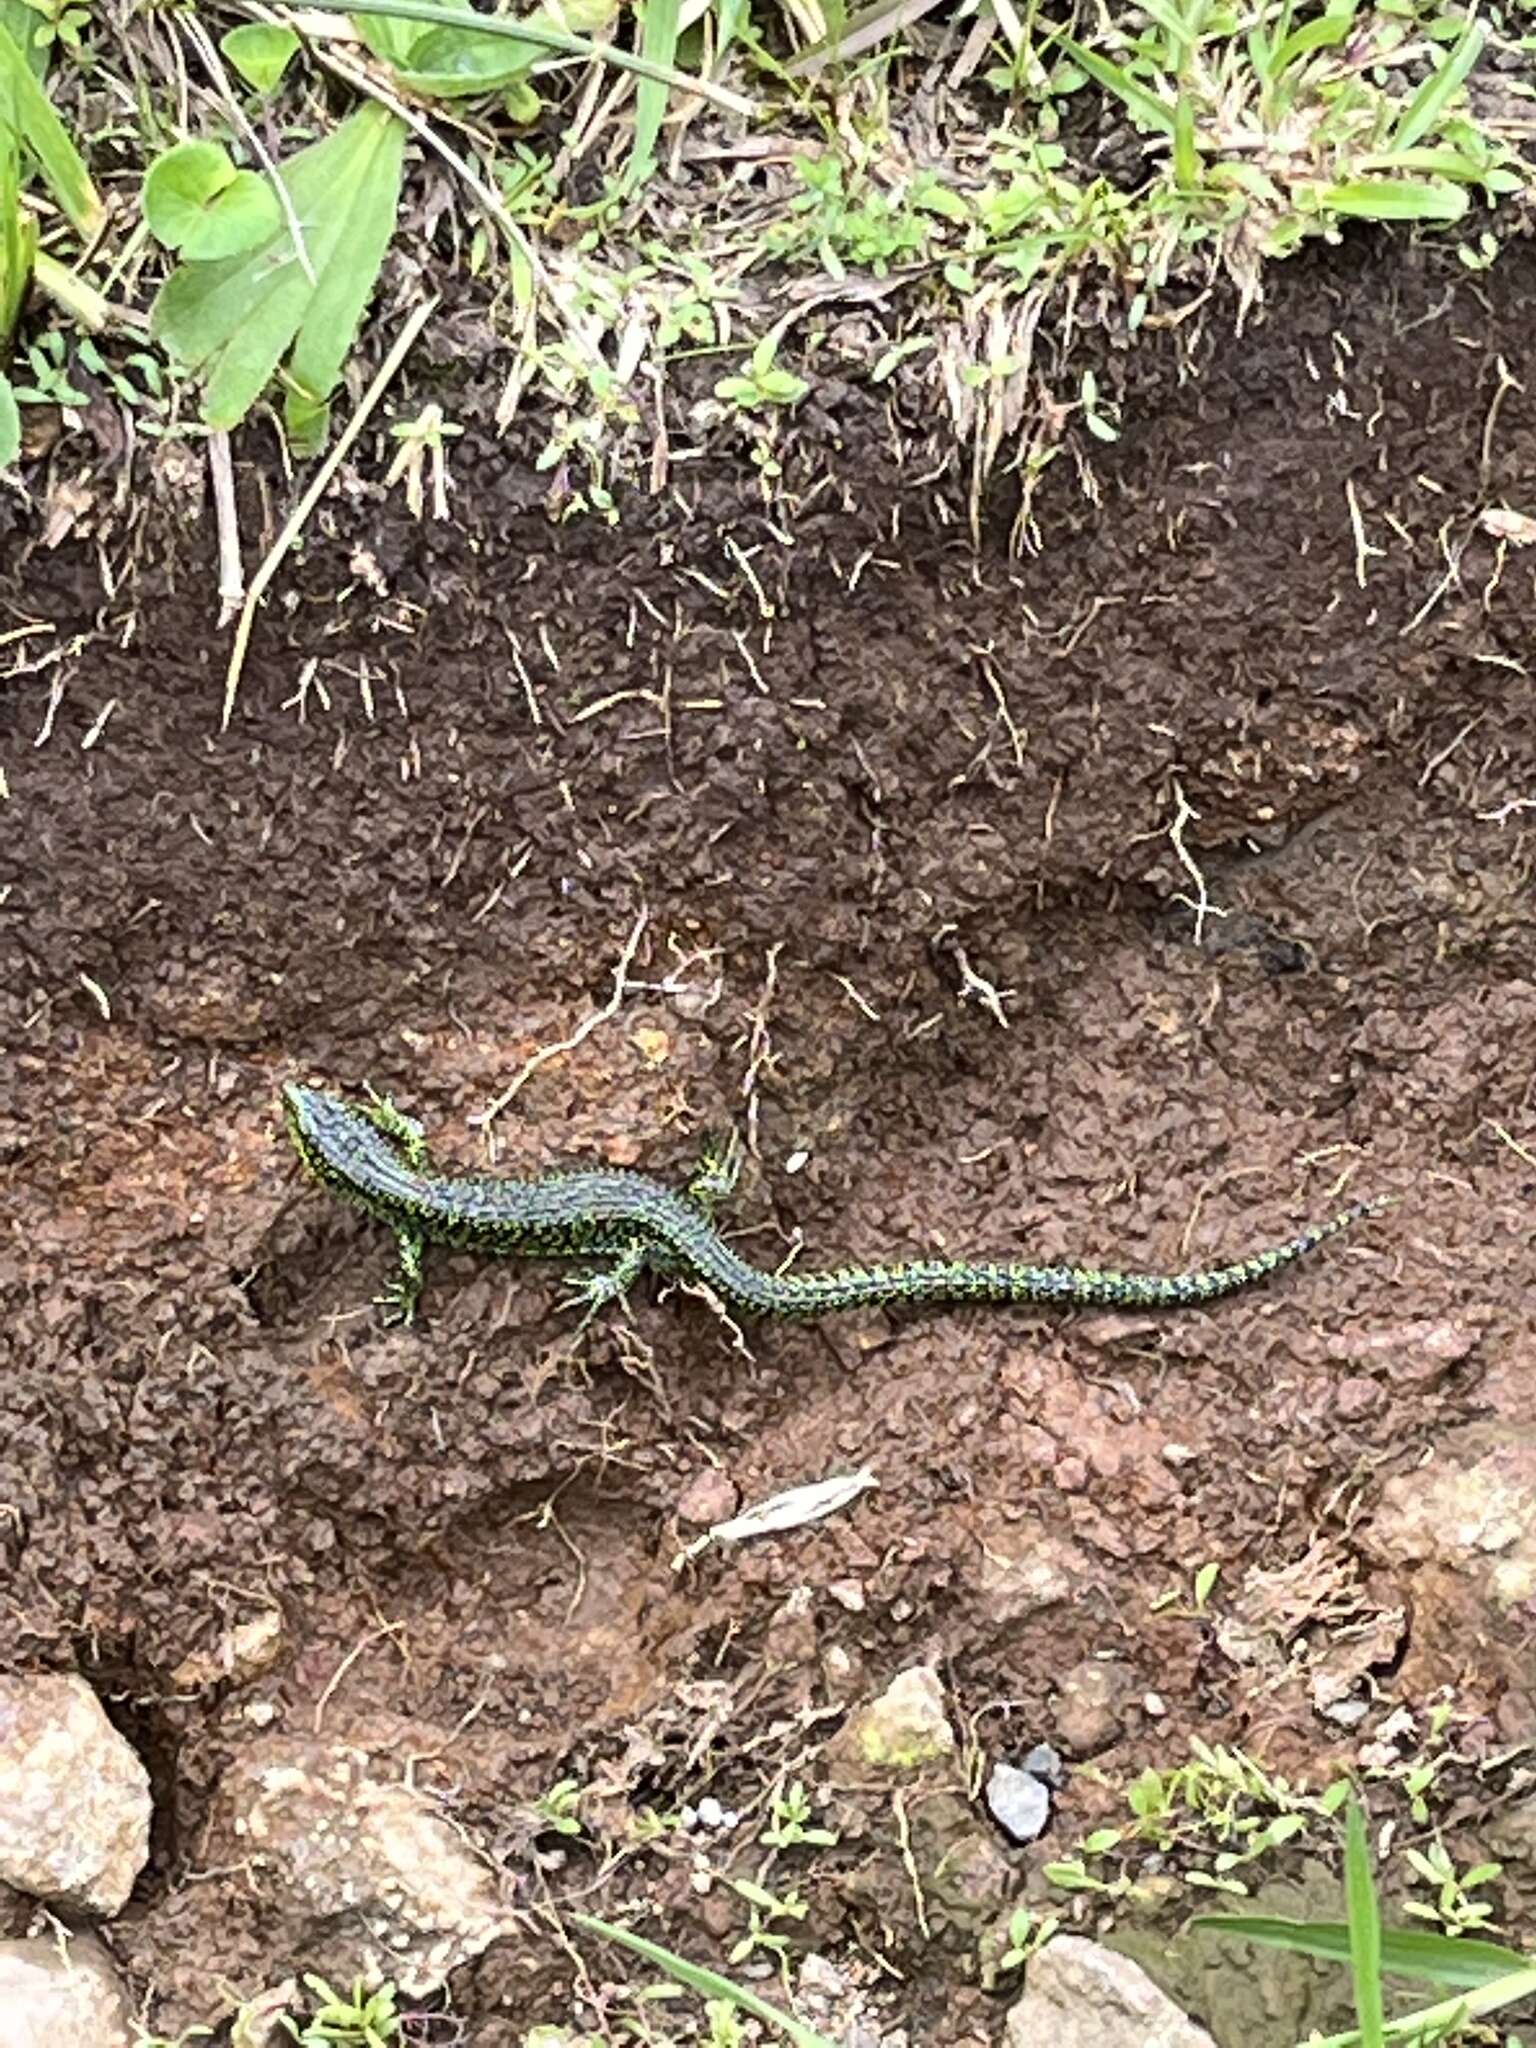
x: 375, y: 1158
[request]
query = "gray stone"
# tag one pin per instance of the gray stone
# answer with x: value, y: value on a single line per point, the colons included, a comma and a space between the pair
x: 74, y: 1798
x: 1018, y: 1802
x: 1046, y: 1764
x: 1079, y: 1995
x: 61, y: 1994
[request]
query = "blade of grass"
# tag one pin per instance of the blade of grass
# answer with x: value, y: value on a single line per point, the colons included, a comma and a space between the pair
x: 1394, y: 199
x: 81, y: 301
x: 658, y: 45
x: 1458, y: 1964
x: 1422, y: 113
x: 10, y: 424
x: 1434, y: 2022
x: 45, y: 141
x: 707, y: 1983
x: 18, y: 230
x: 546, y: 39
x: 1143, y: 105
x: 859, y: 32
x: 1186, y: 157
x: 1364, y: 1914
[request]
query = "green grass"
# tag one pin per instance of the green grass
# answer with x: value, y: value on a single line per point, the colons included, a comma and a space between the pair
x: 1481, y: 1977
x: 1251, y: 133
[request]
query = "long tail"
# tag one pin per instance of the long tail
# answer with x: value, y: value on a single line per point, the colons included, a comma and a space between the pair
x: 945, y: 1280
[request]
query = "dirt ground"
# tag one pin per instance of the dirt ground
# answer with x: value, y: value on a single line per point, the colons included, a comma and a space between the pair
x: 1227, y: 794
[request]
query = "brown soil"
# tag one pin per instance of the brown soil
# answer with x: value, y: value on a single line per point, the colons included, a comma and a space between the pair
x: 840, y: 761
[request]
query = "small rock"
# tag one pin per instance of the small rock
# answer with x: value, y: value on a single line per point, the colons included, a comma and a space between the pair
x: 1154, y: 1706
x: 1472, y: 1508
x: 848, y: 1593
x: 906, y: 1727
x: 1025, y: 1569
x: 74, y: 1798
x: 1412, y: 1354
x: 1079, y: 1995
x: 1018, y: 1802
x: 822, y: 1978
x: 242, y: 1652
x: 1087, y: 1709
x: 1512, y: 1834
x: 709, y: 1497
x: 61, y: 1995
x: 1046, y: 1764
x: 320, y: 1828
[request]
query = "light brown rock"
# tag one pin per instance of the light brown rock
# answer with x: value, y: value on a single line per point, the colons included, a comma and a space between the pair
x: 61, y: 1994
x: 1079, y: 1995
x: 904, y: 1729
x: 74, y: 1798
x: 323, y: 1830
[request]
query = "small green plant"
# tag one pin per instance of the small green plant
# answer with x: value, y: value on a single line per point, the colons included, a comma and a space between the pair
x: 558, y: 1808
x: 266, y: 276
x: 1453, y: 1906
x: 849, y: 222
x: 58, y: 21
x: 765, y: 1910
x: 758, y: 384
x: 1026, y: 1937
x: 1221, y: 1806
x: 46, y: 376
x: 423, y: 452
x: 368, y: 2019
x: 789, y: 1821
x: 1001, y: 1951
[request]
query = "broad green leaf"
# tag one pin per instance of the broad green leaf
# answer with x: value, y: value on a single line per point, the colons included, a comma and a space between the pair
x: 393, y: 38
x: 261, y: 52
x: 459, y: 63
x: 195, y: 201
x: 44, y: 139
x: 658, y: 42
x: 334, y: 314
x: 1460, y: 1964
x: 1423, y: 112
x: 20, y: 23
x: 10, y: 423
x: 452, y: 63
x: 1320, y: 34
x: 1143, y: 106
x: 234, y: 320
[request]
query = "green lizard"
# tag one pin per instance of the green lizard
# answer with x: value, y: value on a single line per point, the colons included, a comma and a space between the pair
x: 375, y: 1158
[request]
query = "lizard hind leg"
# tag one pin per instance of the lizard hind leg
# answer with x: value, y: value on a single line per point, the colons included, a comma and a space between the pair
x: 611, y: 1283
x: 716, y: 1176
